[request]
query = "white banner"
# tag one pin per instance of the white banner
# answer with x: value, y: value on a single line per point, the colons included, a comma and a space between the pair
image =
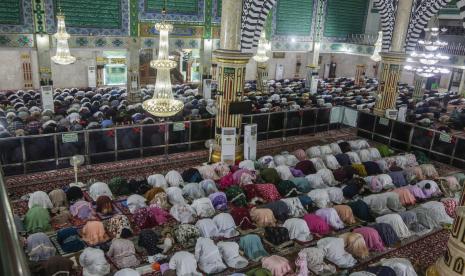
x: 47, y: 98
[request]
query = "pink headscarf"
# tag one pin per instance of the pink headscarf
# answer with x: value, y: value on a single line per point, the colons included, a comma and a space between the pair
x: 317, y: 225
x: 243, y: 177
x: 406, y: 197
x: 371, y: 237
x: 226, y: 181
x: 159, y: 215
x: 300, y: 154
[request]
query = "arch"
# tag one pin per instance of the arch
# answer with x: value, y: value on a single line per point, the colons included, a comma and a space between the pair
x: 458, y: 265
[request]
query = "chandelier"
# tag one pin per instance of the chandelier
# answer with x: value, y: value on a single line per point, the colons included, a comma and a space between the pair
x: 163, y: 103
x: 378, y: 45
x: 62, y: 56
x: 262, y: 50
x: 424, y: 63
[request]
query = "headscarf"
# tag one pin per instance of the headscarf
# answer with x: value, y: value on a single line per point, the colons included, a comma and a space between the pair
x: 335, y: 194
x: 331, y: 217
x: 82, y: 210
x: 429, y: 171
x: 387, y: 233
x: 353, y: 187
x: 221, y: 169
x: 263, y: 217
x: 372, y: 168
x: 191, y: 175
x: 193, y: 191
x: 175, y: 195
x: 39, y: 247
x: 400, y: 265
x: 395, y: 220
x: 315, y: 181
x: 208, y: 172
x: 355, y: 244
x: 438, y: 212
x: 119, y: 186
x: 270, y: 175
x: 116, y: 224
x: 301, y: 183
x: 377, y: 203
x: 252, y: 247
x: 306, y: 166
x: 69, y: 240
x: 93, y: 233
x: 344, y: 146
x: 219, y: 200
x: 318, y: 163
x: 236, y: 196
x: 315, y: 261
x: 331, y: 162
x: 104, y: 205
x: 335, y: 253
x: 58, y: 198
x: 354, y: 158
x: 320, y: 197
x: 316, y: 224
x: 361, y: 210
x: 327, y: 176
x: 279, y: 266
x: 39, y: 199
x: 425, y: 219
x: 313, y: 152
x: 135, y: 202
x: 371, y: 237
x: 450, y: 204
x: 345, y: 213
x: 298, y: 229
x: 343, y: 159
x: 157, y: 181
x: 99, y: 188
x: 183, y: 213
x: 266, y: 162
x: 242, y: 218
x: 226, y: 225
x: 300, y: 154
x: 174, y: 178
x: 406, y: 197
x: 149, y: 240
x: 360, y: 169
x: 410, y: 219
x: 37, y: 219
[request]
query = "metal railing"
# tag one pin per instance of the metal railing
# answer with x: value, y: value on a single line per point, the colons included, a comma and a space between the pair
x: 438, y: 146
x: 13, y: 260
x: 28, y: 154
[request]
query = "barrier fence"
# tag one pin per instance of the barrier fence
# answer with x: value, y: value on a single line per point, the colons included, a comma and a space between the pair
x: 28, y: 154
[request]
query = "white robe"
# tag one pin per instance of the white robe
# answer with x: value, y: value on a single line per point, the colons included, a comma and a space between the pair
x: 203, y: 207
x: 208, y: 256
x: 99, y: 188
x: 335, y: 252
x: 401, y: 266
x: 298, y: 229
x: 395, y: 220
x: 320, y: 197
x: 157, y: 180
x: 184, y: 263
x: 226, y: 225
x: 207, y: 228
x: 174, y: 178
x: 40, y: 199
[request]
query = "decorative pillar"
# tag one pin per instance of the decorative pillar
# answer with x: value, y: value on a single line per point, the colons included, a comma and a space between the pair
x: 313, y: 68
x: 133, y: 86
x: 360, y: 74
x: 27, y: 69
x: 392, y: 61
x: 231, y: 73
x: 42, y: 40
x: 419, y: 84
x: 462, y: 84
x: 453, y: 261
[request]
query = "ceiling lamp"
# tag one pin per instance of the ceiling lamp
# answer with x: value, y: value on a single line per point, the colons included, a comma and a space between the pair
x: 163, y: 103
x: 378, y: 46
x: 262, y: 50
x: 62, y: 56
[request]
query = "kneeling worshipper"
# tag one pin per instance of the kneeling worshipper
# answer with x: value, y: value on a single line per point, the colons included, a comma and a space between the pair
x: 410, y: 219
x: 315, y: 261
x: 203, y: 207
x: 278, y: 265
x: 430, y: 188
x: 39, y: 247
x: 401, y: 266
x: 355, y: 244
x: 437, y: 211
x: 93, y: 233
x: 298, y: 230
x: 184, y: 264
x: 252, y: 247
x: 208, y: 256
x: 345, y: 213
x: 387, y: 233
x: 331, y: 217
x: 207, y: 228
x: 127, y: 272
x: 93, y: 262
x: 372, y: 238
x: 225, y: 225
x: 40, y: 199
x: 37, y: 219
x: 122, y: 251
x: 395, y: 220
x: 230, y: 254
x: 317, y: 225
x: 335, y: 252
x: 98, y: 189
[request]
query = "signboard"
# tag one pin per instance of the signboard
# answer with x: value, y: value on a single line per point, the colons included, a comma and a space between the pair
x: 207, y: 89
x: 444, y: 137
x: 279, y: 72
x: 47, y: 98
x: 69, y: 138
x: 179, y: 126
x: 250, y: 142
x: 401, y: 116
x: 314, y: 86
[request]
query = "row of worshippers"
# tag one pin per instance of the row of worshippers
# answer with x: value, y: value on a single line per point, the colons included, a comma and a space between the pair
x: 195, y: 184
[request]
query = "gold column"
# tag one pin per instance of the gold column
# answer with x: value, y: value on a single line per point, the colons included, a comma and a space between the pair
x: 231, y: 63
x: 453, y: 261
x: 391, y: 68
x: 133, y: 85
x: 360, y: 74
x: 418, y: 91
x: 262, y: 77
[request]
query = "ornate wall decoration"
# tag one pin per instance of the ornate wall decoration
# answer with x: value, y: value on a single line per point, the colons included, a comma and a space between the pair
x: 216, y: 11
x: 148, y: 30
x: 16, y: 16
x: 83, y: 23
x: 17, y: 40
x: 148, y: 12
x: 98, y: 42
x: 134, y: 18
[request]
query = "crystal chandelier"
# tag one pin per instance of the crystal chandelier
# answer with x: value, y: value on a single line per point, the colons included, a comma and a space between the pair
x: 62, y: 55
x: 424, y: 63
x: 163, y: 103
x: 378, y: 46
x: 262, y: 50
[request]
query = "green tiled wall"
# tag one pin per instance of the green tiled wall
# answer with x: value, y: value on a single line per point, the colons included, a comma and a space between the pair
x: 294, y: 17
x: 345, y: 17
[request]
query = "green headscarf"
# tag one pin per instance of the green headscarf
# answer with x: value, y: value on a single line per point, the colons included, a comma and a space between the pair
x: 37, y: 220
x: 385, y: 151
x: 118, y: 186
x: 270, y: 175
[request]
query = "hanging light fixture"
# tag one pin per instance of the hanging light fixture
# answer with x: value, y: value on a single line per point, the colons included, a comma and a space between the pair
x: 62, y: 56
x: 262, y: 50
x: 378, y: 46
x: 163, y: 103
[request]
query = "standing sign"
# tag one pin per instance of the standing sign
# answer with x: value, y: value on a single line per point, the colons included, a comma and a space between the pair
x: 250, y: 142
x: 228, y: 145
x: 207, y: 89
x: 69, y: 137
x: 401, y: 116
x: 47, y: 98
x: 91, y: 76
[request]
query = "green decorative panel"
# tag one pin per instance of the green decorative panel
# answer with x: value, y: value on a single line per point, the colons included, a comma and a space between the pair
x: 294, y: 17
x: 10, y: 12
x: 102, y: 14
x: 345, y: 17
x: 451, y: 8
x: 173, y: 6
x: 220, y: 6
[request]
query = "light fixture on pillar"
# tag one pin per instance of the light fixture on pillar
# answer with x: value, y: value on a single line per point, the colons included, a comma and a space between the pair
x: 62, y: 56
x: 378, y: 46
x: 163, y: 103
x: 262, y: 50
